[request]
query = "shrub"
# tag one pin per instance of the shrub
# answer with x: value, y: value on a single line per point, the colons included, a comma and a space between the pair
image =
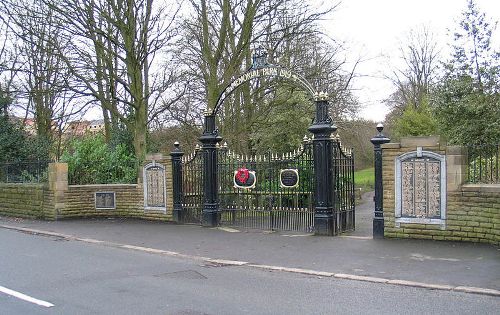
x: 91, y: 161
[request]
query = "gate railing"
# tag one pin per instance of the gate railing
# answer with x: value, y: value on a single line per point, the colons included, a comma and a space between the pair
x: 192, y: 185
x: 268, y: 205
x: 344, y: 192
x: 483, y: 164
x: 26, y: 171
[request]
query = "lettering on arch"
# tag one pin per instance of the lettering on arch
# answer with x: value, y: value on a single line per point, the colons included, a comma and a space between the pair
x: 267, y: 71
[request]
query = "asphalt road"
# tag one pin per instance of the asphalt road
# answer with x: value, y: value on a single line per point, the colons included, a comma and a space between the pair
x: 83, y: 278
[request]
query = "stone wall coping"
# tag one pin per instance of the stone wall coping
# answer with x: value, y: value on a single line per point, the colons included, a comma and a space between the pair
x: 456, y: 150
x: 482, y: 187
x: 392, y: 145
x: 104, y: 185
x: 24, y: 184
x: 432, y: 141
x: 154, y: 156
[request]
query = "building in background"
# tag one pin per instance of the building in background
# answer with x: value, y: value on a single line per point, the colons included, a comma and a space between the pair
x: 83, y: 127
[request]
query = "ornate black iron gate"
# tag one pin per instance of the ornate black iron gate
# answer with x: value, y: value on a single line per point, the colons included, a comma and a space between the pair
x: 343, y: 192
x: 270, y: 204
x: 192, y: 181
x: 282, y: 196
x: 308, y: 190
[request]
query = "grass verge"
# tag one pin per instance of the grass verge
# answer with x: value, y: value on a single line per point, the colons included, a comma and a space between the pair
x: 365, y: 179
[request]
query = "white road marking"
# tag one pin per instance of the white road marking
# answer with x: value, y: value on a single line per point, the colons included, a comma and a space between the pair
x: 357, y: 237
x: 25, y: 297
x: 421, y: 257
x: 226, y: 229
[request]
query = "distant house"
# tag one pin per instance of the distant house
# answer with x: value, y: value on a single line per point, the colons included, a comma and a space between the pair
x: 96, y: 126
x: 83, y: 127
x: 28, y: 124
x: 76, y: 128
x: 71, y: 129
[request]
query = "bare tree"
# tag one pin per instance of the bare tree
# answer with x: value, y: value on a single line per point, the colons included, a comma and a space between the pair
x: 219, y: 38
x: 39, y: 73
x: 414, y: 78
x: 7, y: 59
x: 124, y: 37
x: 109, y: 48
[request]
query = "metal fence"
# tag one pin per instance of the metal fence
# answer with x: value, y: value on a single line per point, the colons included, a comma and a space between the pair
x: 91, y: 174
x: 267, y: 198
x: 343, y: 192
x: 268, y: 205
x: 483, y: 164
x: 29, y: 171
x: 192, y: 183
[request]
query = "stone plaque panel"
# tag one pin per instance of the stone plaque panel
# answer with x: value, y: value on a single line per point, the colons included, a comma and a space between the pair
x: 154, y: 187
x: 105, y: 200
x: 420, y: 188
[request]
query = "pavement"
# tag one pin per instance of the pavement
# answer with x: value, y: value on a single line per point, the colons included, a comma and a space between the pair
x: 465, y: 267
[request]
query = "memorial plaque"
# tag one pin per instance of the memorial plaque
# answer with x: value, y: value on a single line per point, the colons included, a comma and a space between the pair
x: 244, y: 179
x: 105, y: 200
x: 420, y: 188
x: 154, y: 187
x: 289, y: 178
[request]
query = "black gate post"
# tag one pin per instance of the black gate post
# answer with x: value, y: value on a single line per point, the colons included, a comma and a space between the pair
x: 323, y: 171
x: 378, y: 219
x: 177, y: 190
x: 209, y: 139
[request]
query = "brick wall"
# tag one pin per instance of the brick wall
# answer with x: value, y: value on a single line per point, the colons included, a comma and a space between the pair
x: 472, y: 211
x: 57, y: 200
x: 79, y: 202
x: 25, y: 200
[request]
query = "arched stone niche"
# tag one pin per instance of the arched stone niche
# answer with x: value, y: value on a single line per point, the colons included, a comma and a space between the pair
x: 420, y: 188
x: 155, y: 192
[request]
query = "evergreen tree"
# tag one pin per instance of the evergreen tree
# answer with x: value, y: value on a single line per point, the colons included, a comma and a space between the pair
x: 467, y: 101
x: 472, y: 52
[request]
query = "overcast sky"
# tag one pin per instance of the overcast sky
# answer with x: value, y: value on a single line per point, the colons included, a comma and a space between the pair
x: 373, y: 29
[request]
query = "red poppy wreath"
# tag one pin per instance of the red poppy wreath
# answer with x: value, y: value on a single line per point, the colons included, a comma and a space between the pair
x: 242, y: 175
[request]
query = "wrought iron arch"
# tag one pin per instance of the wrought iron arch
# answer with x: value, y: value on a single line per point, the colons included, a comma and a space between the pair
x: 323, y: 149
x: 261, y: 68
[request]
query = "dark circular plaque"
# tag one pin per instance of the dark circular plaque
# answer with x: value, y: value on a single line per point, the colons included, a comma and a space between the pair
x: 289, y: 178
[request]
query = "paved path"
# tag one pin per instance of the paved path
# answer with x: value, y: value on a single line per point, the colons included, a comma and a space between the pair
x: 432, y: 262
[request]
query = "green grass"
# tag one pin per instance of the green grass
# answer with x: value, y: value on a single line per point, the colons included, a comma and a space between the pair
x: 365, y: 179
